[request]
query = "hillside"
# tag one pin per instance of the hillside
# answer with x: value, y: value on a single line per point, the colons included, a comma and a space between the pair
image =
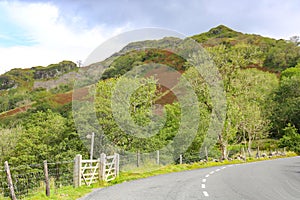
x: 22, y: 87
x: 261, y: 81
x: 275, y: 55
x: 254, y: 51
x: 25, y: 78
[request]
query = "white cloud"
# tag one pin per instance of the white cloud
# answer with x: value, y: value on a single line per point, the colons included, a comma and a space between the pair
x: 53, y: 39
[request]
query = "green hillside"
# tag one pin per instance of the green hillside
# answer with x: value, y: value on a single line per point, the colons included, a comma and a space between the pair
x: 261, y: 81
x: 276, y: 55
x: 21, y: 87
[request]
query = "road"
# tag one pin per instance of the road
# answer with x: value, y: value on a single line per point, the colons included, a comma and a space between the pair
x: 274, y: 179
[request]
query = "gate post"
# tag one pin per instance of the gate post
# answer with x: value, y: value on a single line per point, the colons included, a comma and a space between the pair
x: 102, y: 166
x: 77, y: 171
x: 117, y: 164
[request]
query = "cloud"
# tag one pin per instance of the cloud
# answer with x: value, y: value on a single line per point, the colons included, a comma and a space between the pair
x: 275, y: 18
x: 52, y: 39
x: 71, y: 29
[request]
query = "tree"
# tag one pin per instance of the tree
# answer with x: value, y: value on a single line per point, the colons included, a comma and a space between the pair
x: 295, y: 39
x: 251, y: 91
x: 124, y: 110
x: 47, y: 136
x: 286, y: 98
x: 290, y: 139
x: 282, y: 56
x: 8, y: 139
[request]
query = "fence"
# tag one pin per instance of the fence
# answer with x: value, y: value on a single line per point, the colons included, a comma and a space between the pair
x: 28, y: 179
x: 18, y: 182
x: 130, y: 161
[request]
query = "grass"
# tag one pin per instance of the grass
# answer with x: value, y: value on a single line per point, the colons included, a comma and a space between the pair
x: 70, y: 193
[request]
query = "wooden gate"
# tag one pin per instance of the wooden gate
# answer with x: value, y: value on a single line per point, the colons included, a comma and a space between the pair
x: 109, y: 167
x: 91, y: 171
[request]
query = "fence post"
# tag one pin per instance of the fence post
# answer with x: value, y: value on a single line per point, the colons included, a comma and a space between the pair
x: 9, y: 181
x: 117, y: 163
x: 46, y: 178
x: 77, y: 171
x: 180, y: 159
x: 157, y: 157
x: 138, y: 158
x: 102, y: 166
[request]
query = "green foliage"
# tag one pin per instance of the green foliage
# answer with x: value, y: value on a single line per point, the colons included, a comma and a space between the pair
x: 126, y: 62
x: 282, y: 56
x: 285, y: 103
x: 220, y: 31
x: 45, y: 136
x: 139, y: 113
x: 290, y: 72
x: 275, y: 55
x: 291, y: 139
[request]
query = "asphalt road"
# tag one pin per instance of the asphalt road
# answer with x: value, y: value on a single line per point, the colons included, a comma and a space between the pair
x: 274, y: 180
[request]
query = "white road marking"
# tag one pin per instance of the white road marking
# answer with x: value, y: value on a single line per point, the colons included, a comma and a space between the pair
x: 203, y: 186
x: 223, y: 167
x: 212, y: 172
x: 205, y: 193
x: 204, y: 180
x: 217, y: 170
x: 207, y: 175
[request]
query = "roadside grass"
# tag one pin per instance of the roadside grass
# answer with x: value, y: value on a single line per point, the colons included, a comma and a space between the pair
x: 71, y: 193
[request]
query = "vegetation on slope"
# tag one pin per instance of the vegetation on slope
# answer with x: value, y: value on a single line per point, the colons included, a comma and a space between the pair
x: 260, y: 104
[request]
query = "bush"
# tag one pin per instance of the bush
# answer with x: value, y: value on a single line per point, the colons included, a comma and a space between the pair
x: 291, y: 139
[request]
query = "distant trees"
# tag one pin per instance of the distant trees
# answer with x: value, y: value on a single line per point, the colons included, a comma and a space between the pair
x: 282, y: 55
x: 291, y: 138
x: 285, y: 108
x: 295, y: 40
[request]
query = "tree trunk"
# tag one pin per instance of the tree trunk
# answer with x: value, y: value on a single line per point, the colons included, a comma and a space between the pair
x: 249, y: 146
x: 223, y: 147
x: 224, y: 151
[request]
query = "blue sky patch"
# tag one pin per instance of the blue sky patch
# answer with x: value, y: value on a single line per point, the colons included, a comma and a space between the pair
x: 12, y: 34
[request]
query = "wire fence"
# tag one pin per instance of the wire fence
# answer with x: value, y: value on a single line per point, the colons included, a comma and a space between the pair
x: 29, y: 179
x: 130, y: 161
x: 3, y: 183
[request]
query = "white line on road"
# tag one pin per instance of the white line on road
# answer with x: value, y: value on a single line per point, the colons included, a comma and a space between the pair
x: 212, y: 172
x: 205, y: 193
x: 203, y: 186
x: 207, y: 175
x: 217, y: 170
x: 223, y: 167
x: 204, y: 180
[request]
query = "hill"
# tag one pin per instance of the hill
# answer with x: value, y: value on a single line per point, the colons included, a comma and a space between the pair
x: 260, y: 75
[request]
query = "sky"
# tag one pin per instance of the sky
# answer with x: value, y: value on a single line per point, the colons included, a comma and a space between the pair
x: 42, y: 32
